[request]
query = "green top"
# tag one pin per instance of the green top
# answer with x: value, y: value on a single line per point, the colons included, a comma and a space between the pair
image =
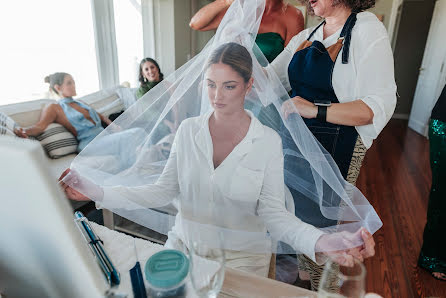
x: 144, y: 88
x: 271, y: 44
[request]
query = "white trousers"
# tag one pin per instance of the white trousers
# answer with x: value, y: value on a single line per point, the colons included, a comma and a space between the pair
x: 257, y: 264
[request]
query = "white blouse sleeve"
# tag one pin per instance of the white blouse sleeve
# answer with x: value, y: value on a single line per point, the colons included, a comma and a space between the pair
x: 282, y: 224
x: 375, y: 84
x: 280, y: 64
x: 159, y: 194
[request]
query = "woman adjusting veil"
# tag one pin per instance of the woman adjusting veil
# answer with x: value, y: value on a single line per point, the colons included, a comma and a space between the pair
x: 221, y: 169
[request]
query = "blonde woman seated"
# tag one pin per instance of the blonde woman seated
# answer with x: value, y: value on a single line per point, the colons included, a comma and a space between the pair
x: 80, y: 119
x: 225, y: 160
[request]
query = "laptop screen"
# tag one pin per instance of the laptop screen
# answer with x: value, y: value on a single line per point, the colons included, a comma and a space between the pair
x: 42, y: 253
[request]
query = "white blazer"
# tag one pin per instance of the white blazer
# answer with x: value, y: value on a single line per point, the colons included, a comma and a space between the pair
x: 244, y: 193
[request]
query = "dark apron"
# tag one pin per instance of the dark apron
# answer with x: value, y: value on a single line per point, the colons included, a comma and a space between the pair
x: 310, y: 74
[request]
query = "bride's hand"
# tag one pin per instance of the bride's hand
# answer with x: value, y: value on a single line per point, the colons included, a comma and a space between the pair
x: 71, y: 177
x: 330, y: 244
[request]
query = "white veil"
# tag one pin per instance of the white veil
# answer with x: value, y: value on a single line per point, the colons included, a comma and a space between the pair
x: 133, y: 152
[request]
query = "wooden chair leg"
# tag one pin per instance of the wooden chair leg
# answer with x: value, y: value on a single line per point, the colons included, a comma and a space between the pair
x: 108, y: 219
x: 272, y: 267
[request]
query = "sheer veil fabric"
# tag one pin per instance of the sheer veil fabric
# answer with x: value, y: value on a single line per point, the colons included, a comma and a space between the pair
x: 129, y: 178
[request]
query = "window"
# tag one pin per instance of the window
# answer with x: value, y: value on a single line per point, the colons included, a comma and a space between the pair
x: 42, y: 37
x: 129, y: 39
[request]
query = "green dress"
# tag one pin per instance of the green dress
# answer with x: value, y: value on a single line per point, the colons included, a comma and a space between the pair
x: 271, y: 44
x: 433, y: 252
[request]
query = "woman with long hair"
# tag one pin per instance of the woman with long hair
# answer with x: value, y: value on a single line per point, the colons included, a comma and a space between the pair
x: 149, y: 76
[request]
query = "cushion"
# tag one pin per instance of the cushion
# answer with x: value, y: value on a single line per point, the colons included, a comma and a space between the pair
x: 100, y: 98
x: 57, y: 141
x: 7, y: 123
x: 127, y: 96
x: 105, y: 101
x: 112, y: 108
x: 6, y: 131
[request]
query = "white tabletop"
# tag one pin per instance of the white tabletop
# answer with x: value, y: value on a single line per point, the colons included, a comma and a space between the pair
x: 120, y: 248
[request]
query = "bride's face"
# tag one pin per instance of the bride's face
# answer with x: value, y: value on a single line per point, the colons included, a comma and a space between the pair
x: 226, y: 88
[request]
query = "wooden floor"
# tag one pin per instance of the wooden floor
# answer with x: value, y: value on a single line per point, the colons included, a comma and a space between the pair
x: 396, y: 178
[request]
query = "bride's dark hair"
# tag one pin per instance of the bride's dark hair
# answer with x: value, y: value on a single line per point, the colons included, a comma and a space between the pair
x: 234, y: 55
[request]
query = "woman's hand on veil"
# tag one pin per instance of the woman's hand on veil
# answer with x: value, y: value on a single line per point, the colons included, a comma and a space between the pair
x: 341, y: 248
x: 71, y: 178
x: 299, y: 105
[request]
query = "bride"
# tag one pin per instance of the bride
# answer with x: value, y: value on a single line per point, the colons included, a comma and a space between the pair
x: 225, y: 170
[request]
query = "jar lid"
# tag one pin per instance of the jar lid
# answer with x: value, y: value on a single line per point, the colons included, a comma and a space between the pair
x: 166, y: 268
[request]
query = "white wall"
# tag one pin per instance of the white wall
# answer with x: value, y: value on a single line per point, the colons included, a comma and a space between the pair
x: 202, y: 37
x: 383, y: 7
x: 164, y: 35
x: 183, y: 33
x: 432, y: 76
x: 173, y: 36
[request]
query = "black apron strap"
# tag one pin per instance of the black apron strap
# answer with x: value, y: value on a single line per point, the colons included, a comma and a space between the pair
x: 346, y: 33
x: 312, y: 33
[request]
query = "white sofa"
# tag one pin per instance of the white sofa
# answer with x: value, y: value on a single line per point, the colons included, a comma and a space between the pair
x: 28, y: 113
x: 107, y: 102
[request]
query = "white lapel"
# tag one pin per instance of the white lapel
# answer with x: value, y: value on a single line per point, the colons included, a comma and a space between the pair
x: 204, y: 141
x: 255, y: 130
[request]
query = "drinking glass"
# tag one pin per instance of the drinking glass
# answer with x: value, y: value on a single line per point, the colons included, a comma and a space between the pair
x: 207, y: 268
x: 342, y: 282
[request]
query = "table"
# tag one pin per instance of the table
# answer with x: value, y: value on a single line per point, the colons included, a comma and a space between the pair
x: 242, y: 284
x: 121, y: 249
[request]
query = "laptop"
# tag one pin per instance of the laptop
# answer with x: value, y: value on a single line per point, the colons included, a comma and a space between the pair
x: 42, y: 252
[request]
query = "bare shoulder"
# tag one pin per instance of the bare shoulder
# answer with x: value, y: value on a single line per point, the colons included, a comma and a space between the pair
x: 292, y: 13
x: 294, y: 22
x: 52, y: 107
x: 50, y: 114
